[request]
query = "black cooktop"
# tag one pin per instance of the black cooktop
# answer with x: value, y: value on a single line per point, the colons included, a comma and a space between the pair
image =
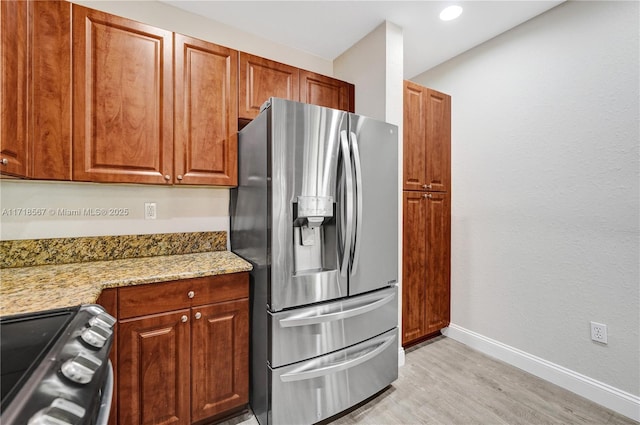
x: 25, y: 340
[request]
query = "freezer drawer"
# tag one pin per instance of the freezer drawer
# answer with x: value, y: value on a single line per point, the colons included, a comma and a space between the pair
x: 313, y: 390
x: 322, y: 328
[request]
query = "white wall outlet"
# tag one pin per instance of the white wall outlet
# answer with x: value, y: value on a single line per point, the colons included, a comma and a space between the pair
x: 599, y: 332
x: 149, y: 210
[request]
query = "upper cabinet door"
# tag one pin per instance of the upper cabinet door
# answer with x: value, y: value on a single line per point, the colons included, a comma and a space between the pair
x: 261, y: 79
x: 414, y: 128
x: 123, y: 100
x: 14, y: 147
x: 50, y: 84
x: 438, y: 140
x: 326, y: 91
x: 206, y: 113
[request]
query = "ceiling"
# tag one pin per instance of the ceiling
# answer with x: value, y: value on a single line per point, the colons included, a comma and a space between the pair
x: 328, y: 28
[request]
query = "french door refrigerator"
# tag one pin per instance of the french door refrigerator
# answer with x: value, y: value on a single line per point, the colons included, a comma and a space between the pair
x: 316, y: 213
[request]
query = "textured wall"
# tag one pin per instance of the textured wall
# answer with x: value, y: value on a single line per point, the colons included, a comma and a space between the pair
x: 545, y: 208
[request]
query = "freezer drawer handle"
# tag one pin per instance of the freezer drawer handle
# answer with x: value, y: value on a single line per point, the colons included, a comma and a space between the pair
x: 330, y: 317
x: 327, y: 370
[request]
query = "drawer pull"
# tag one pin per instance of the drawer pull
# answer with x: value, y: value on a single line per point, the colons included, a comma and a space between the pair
x: 191, y: 294
x: 330, y: 317
x: 184, y: 318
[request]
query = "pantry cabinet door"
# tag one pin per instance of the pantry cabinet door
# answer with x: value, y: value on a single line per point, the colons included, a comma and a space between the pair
x: 206, y: 113
x: 122, y: 101
x: 438, y: 261
x: 414, y: 145
x: 414, y: 268
x: 438, y: 140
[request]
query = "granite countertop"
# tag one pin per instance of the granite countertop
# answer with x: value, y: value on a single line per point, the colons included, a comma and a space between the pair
x: 35, y: 288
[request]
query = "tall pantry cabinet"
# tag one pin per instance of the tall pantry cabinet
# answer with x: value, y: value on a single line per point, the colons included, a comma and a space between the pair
x: 426, y: 213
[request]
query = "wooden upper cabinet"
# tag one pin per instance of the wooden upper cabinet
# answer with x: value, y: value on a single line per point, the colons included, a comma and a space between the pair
x: 51, y: 90
x: 123, y: 100
x: 206, y: 113
x: 427, y: 139
x: 14, y: 61
x: 36, y: 89
x: 261, y: 79
x: 326, y: 91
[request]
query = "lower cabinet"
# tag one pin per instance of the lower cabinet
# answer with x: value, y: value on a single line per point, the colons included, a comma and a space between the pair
x: 153, y: 369
x: 182, y: 350
x: 426, y: 265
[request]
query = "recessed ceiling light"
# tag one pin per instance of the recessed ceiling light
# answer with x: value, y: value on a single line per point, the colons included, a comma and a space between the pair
x: 451, y: 12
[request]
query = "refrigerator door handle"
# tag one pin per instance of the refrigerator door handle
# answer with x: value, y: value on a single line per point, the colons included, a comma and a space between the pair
x: 348, y: 200
x: 358, y: 189
x: 335, y: 316
x: 376, y: 348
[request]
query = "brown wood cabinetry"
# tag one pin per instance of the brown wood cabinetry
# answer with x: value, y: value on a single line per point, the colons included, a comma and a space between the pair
x: 124, y: 106
x: 14, y: 148
x: 206, y: 112
x: 123, y: 99
x: 326, y: 91
x: 426, y: 213
x: 182, y: 350
x: 427, y: 139
x: 35, y: 131
x: 261, y: 79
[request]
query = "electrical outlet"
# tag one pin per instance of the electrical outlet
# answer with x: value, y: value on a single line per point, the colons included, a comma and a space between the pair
x: 599, y: 332
x: 149, y: 210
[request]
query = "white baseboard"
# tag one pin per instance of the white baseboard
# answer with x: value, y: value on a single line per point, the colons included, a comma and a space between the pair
x: 610, y: 397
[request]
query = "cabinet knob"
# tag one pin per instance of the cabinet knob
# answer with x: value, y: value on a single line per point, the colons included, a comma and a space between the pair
x: 4, y: 161
x: 198, y: 315
x: 179, y: 177
x: 167, y: 177
x: 191, y: 294
x: 426, y: 186
x: 184, y: 318
x: 426, y: 195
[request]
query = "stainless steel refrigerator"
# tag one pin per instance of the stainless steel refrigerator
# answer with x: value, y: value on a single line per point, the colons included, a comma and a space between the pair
x: 316, y: 213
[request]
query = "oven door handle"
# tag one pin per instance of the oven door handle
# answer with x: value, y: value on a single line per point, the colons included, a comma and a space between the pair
x: 105, y: 400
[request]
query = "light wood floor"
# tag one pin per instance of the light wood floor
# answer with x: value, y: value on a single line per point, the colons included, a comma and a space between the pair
x: 446, y: 383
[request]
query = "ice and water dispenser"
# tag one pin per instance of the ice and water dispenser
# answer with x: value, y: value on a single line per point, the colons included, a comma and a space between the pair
x: 314, y: 234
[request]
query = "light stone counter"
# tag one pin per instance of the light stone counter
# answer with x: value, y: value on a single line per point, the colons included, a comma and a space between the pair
x: 35, y: 288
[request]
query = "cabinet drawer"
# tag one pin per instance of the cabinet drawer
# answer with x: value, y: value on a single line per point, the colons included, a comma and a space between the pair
x: 167, y: 296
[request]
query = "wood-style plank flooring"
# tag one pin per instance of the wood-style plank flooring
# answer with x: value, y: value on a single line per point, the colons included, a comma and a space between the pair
x: 444, y: 382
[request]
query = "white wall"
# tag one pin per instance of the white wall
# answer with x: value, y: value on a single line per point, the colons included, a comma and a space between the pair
x: 375, y: 65
x: 34, y: 210
x: 179, y: 209
x: 545, y: 209
x: 173, y: 19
